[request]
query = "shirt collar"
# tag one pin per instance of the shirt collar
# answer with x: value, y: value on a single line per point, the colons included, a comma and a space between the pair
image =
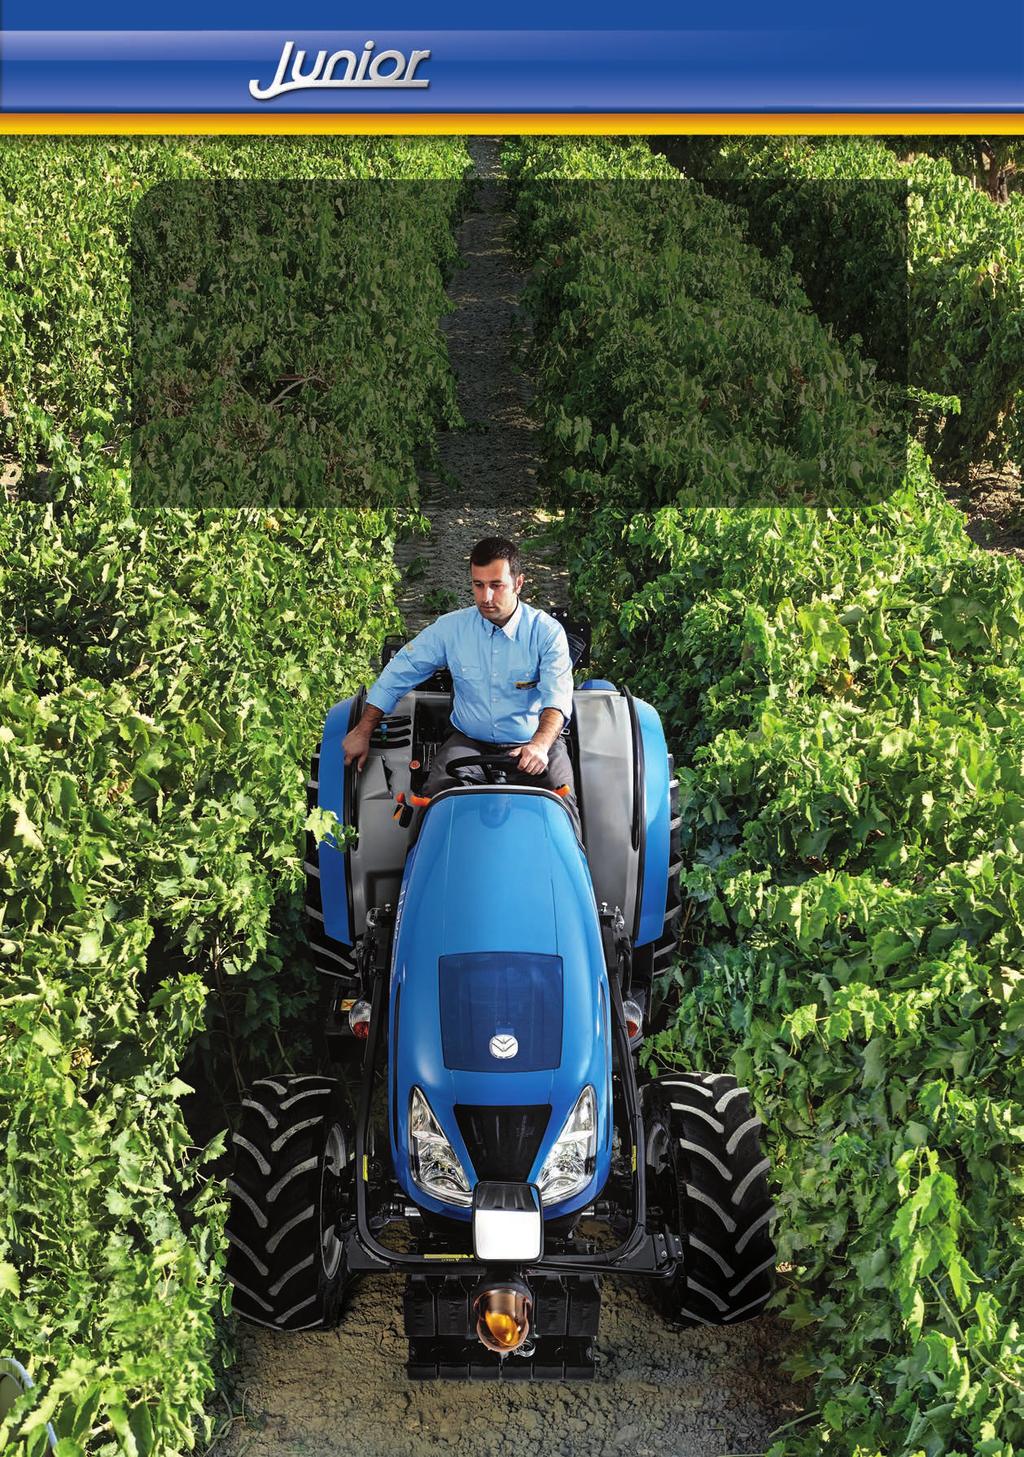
x: 509, y: 628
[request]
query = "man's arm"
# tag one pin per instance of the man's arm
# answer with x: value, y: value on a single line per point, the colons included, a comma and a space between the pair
x: 555, y: 682
x: 410, y: 665
x: 533, y: 757
x: 550, y: 726
x: 356, y: 742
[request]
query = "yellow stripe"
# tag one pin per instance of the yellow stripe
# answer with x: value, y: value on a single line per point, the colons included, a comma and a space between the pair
x: 447, y: 1257
x: 634, y: 1158
x: 953, y: 123
x: 366, y: 1168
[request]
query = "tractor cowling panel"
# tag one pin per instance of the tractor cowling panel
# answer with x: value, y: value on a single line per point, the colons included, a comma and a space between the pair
x: 497, y: 875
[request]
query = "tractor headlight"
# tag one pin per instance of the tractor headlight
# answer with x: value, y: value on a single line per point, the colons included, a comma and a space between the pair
x: 433, y: 1162
x: 569, y: 1167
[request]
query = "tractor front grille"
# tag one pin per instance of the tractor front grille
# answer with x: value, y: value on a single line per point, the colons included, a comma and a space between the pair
x: 502, y: 1141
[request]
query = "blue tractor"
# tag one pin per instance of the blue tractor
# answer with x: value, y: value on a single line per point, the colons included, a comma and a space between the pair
x: 485, y: 1128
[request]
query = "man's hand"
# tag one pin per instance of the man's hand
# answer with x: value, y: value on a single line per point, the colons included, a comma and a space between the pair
x: 356, y: 742
x: 356, y: 745
x: 533, y: 757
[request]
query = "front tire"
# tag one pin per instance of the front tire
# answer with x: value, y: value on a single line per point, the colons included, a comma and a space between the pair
x: 707, y: 1182
x: 292, y: 1187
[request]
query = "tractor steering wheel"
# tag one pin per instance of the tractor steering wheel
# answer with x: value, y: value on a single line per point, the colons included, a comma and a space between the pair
x: 495, y: 768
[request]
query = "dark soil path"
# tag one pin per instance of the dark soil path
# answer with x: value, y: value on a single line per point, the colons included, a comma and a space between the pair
x: 488, y: 484
x: 993, y: 503
x: 659, y: 1393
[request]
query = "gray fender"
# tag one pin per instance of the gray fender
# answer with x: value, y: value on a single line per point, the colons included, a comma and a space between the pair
x: 605, y: 791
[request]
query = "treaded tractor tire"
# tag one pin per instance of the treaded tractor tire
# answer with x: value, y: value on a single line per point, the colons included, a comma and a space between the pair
x: 332, y: 959
x: 294, y: 1171
x: 707, y: 1181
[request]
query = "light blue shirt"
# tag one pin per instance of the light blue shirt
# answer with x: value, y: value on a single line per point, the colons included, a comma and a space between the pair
x: 503, y: 676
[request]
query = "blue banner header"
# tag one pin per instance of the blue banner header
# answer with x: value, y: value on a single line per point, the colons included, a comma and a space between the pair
x: 842, y: 66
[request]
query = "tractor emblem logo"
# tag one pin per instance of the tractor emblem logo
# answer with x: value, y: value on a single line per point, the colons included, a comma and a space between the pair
x: 504, y: 1046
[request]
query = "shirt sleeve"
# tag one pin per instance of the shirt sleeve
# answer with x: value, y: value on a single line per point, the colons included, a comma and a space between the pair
x: 417, y: 660
x: 556, y: 673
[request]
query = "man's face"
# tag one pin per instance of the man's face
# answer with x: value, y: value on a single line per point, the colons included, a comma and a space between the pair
x: 495, y: 589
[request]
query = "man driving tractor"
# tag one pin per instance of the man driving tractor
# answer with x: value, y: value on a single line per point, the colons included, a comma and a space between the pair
x: 511, y: 674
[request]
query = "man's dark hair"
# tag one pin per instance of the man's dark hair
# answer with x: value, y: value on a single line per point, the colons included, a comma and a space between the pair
x: 494, y: 549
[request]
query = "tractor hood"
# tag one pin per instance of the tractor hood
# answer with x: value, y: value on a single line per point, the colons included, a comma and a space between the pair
x: 499, y: 1003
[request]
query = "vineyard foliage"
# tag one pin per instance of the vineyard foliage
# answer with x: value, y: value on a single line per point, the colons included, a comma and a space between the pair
x: 297, y: 388
x: 844, y: 691
x: 163, y: 675
x: 707, y: 377
x: 993, y: 163
x: 66, y: 315
x: 912, y: 257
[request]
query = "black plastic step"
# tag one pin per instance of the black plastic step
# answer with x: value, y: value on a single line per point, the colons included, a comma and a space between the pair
x: 441, y: 1306
x: 440, y: 1359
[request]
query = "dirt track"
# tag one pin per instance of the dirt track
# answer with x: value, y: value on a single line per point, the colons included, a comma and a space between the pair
x: 697, y: 1394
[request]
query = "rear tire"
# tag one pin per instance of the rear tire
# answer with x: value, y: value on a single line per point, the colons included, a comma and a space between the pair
x: 293, y: 1180
x: 707, y: 1182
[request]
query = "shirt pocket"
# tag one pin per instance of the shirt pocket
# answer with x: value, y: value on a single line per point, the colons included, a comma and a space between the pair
x: 468, y: 670
x: 523, y: 675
